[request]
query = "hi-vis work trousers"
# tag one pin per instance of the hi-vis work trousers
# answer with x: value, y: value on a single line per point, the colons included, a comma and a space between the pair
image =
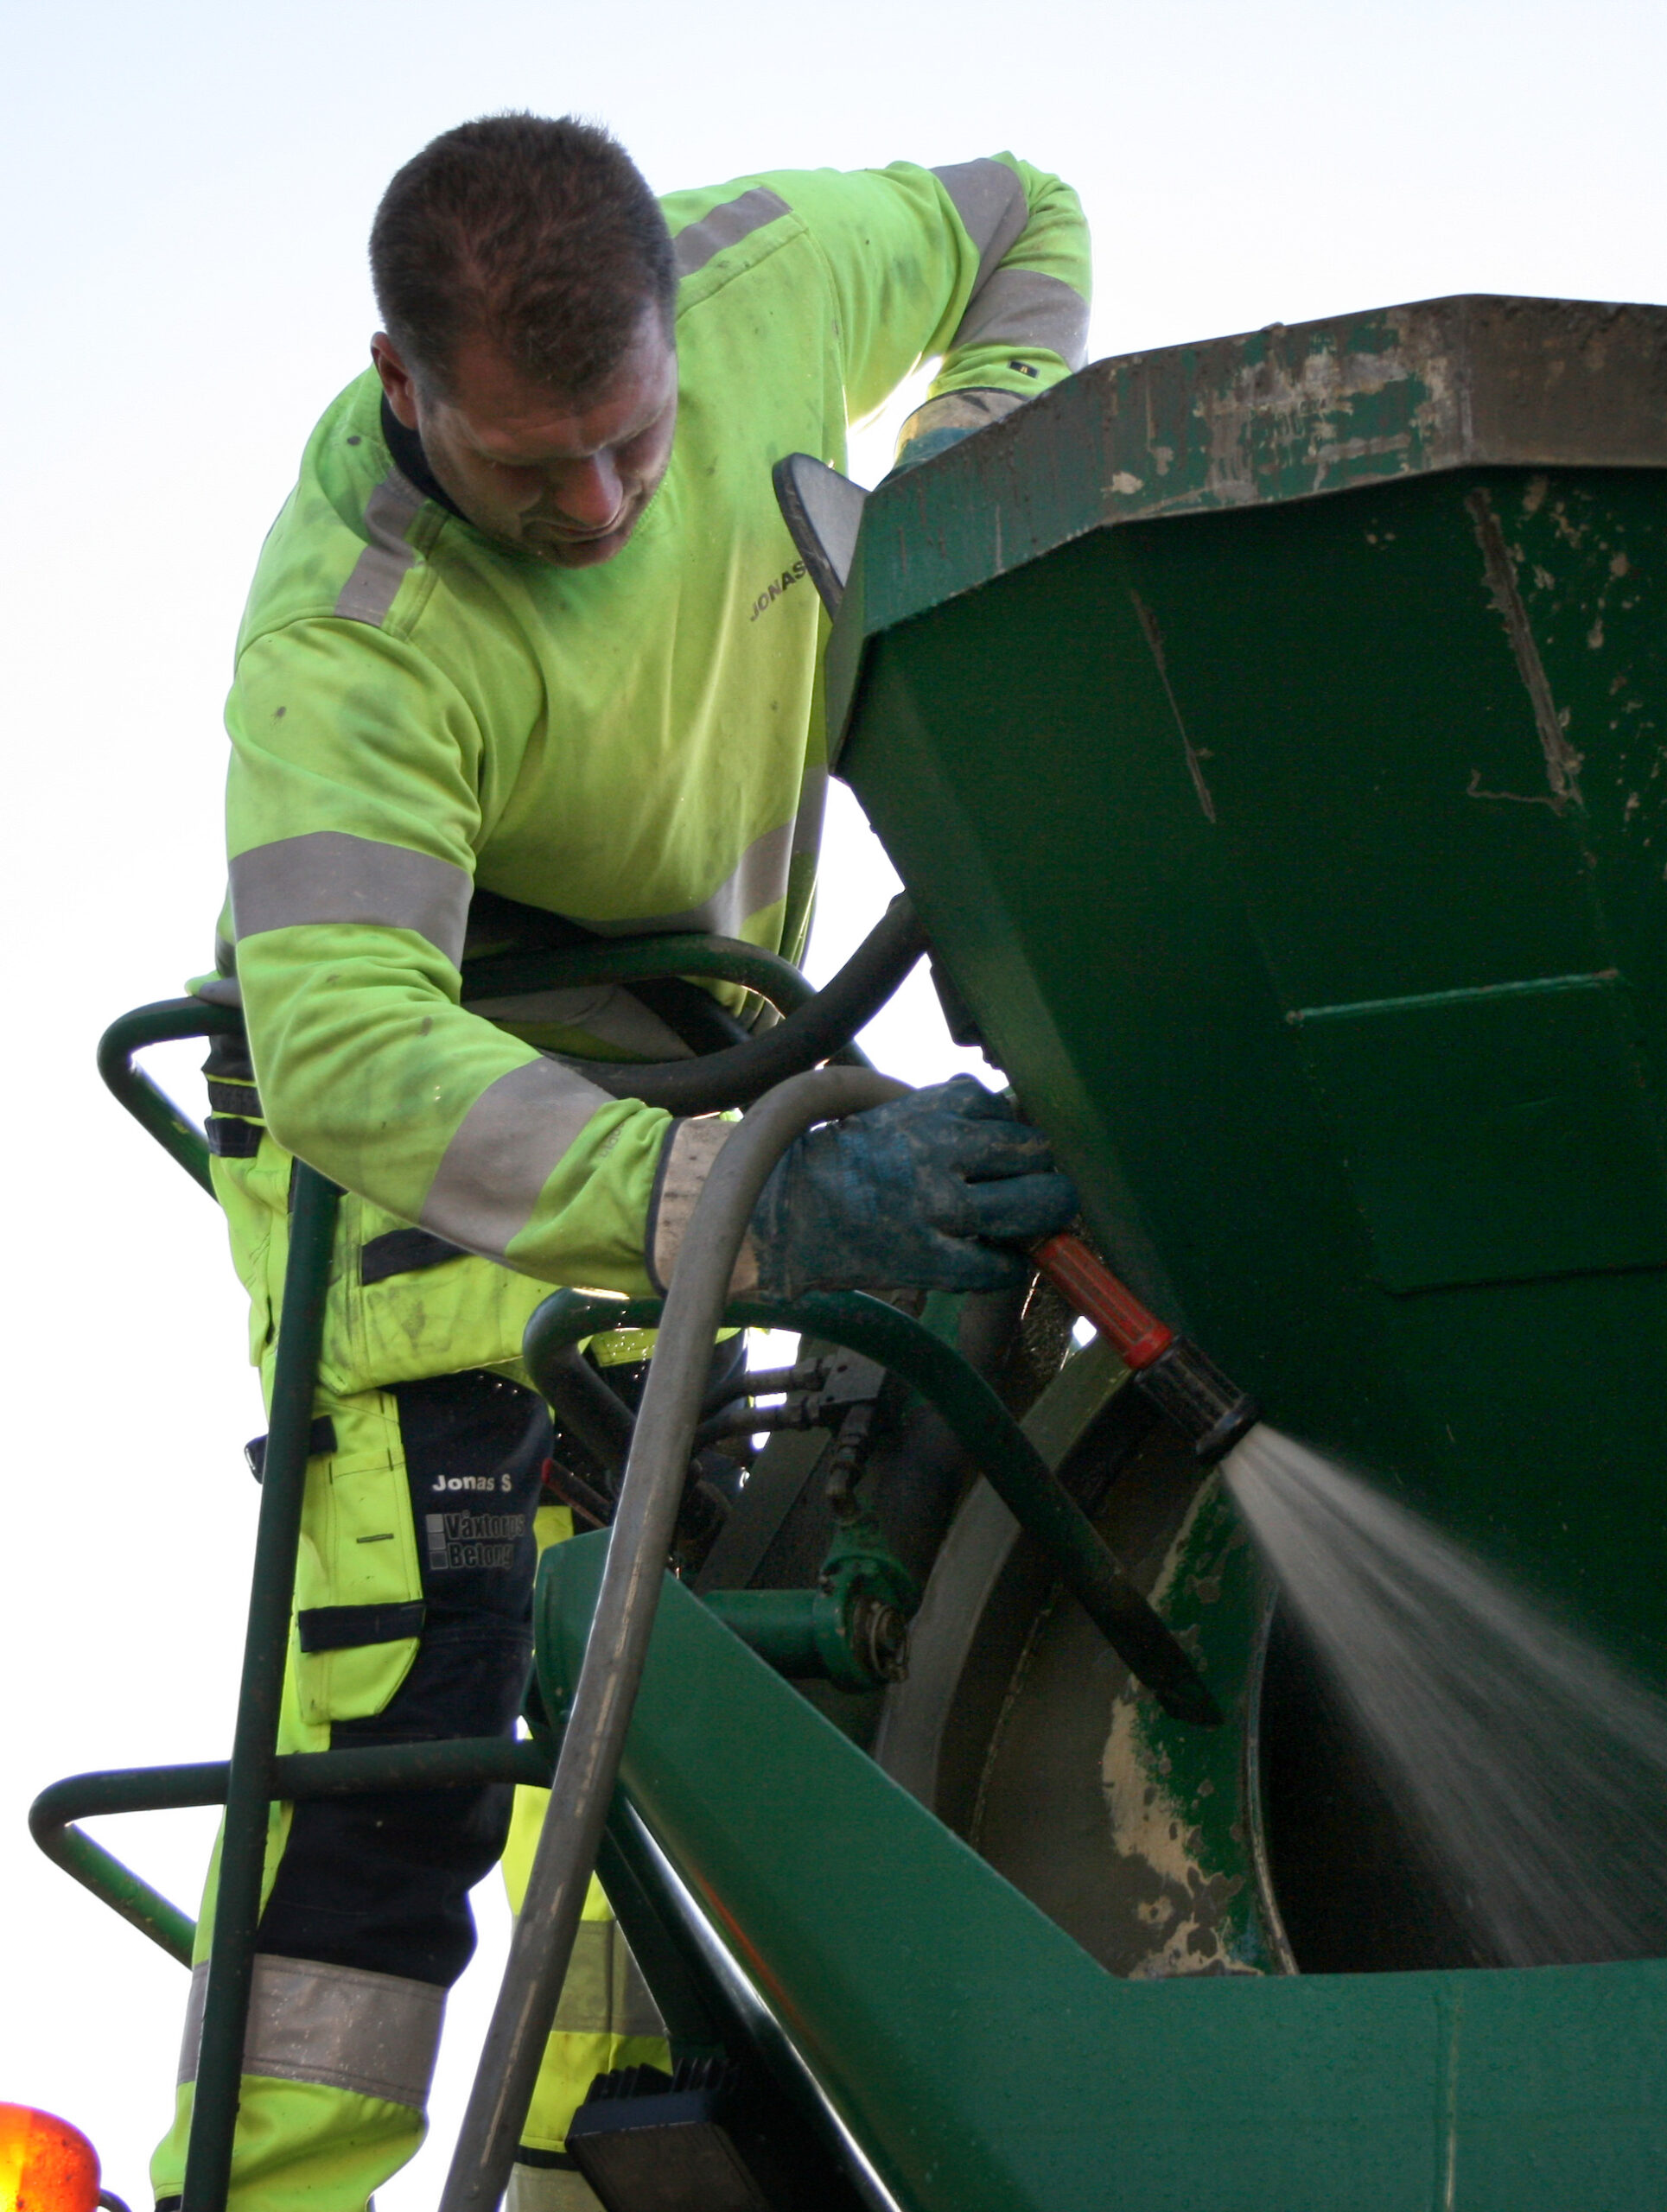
x: 432, y: 1486
x: 606, y: 2018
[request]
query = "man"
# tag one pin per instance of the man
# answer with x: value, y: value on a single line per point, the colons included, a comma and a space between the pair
x: 513, y: 650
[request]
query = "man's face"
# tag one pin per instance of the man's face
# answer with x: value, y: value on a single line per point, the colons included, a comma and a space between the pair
x: 565, y: 480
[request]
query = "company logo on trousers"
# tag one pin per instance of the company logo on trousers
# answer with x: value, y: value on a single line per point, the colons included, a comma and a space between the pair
x: 785, y: 582
x: 472, y: 1539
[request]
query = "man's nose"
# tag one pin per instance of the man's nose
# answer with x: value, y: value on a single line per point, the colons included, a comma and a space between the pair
x: 588, y: 493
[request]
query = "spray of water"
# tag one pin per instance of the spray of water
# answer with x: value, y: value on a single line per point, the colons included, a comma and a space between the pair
x: 1535, y: 1768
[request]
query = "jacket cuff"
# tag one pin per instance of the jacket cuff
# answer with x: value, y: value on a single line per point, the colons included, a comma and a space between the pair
x: 962, y: 412
x: 686, y: 1158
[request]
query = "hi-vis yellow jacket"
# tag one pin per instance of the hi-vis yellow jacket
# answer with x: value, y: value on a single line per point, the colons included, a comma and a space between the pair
x: 418, y: 713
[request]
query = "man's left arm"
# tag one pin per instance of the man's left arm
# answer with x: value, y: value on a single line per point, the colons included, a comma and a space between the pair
x: 983, y: 265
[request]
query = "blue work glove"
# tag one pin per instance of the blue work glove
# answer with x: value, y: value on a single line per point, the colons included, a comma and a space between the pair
x: 944, y: 421
x: 931, y: 1191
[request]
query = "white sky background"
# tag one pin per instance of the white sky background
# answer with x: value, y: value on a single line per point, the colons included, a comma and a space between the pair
x: 188, y: 190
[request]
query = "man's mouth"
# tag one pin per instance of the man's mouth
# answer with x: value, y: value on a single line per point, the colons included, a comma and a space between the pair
x: 570, y: 533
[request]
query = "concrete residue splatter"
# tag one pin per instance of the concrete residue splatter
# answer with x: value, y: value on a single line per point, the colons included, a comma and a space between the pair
x: 1156, y: 1837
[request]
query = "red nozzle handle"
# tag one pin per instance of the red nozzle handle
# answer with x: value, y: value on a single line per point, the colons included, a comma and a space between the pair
x: 1095, y: 1292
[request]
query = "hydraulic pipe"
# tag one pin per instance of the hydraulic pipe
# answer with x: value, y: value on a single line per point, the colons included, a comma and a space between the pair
x: 986, y: 1432
x: 821, y: 1026
x: 636, y: 959
x: 781, y: 1625
x: 618, y: 1644
x: 584, y: 1405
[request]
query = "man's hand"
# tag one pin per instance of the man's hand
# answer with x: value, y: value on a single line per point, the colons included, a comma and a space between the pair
x: 931, y: 1191
x: 944, y: 421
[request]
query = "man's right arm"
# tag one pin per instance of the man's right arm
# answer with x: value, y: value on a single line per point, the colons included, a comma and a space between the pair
x: 351, y: 812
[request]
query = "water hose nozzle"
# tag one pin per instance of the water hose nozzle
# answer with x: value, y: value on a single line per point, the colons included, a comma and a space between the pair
x: 1191, y: 1391
x: 1187, y: 1388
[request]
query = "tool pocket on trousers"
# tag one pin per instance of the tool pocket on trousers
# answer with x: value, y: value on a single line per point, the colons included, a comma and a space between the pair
x: 359, y: 1586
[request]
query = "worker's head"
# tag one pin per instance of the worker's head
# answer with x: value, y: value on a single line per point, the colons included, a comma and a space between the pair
x: 526, y: 280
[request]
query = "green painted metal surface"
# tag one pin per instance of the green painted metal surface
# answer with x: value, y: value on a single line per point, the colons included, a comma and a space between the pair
x: 1268, y: 735
x: 986, y: 2064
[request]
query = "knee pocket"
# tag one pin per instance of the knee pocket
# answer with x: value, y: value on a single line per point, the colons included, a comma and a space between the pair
x: 466, y: 1679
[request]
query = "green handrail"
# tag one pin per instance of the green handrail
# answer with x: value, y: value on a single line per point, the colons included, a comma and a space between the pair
x: 163, y: 1023
x: 687, y: 953
x: 461, y: 1762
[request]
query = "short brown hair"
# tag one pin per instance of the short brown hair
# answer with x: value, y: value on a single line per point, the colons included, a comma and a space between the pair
x: 541, y: 236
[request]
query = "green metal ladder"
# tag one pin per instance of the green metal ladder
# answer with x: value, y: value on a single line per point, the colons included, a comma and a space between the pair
x: 255, y: 1776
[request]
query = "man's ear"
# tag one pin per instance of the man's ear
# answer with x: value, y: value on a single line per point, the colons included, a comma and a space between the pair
x: 397, y: 379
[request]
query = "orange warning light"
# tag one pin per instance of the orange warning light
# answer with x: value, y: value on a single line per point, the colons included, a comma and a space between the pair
x: 46, y: 2165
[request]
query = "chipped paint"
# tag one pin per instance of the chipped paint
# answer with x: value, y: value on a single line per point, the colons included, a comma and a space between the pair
x: 1563, y: 763
x: 1473, y: 790
x: 1183, y: 1906
x: 1157, y: 1815
x: 1272, y: 415
x: 1317, y: 416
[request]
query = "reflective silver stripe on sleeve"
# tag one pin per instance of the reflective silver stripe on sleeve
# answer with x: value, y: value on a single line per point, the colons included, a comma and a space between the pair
x: 757, y: 881
x: 507, y: 1146
x: 604, y: 1992
x: 989, y: 198
x: 608, y: 1011
x: 696, y: 242
x: 374, y: 2034
x: 380, y: 569
x: 328, y: 876
x: 1021, y: 307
